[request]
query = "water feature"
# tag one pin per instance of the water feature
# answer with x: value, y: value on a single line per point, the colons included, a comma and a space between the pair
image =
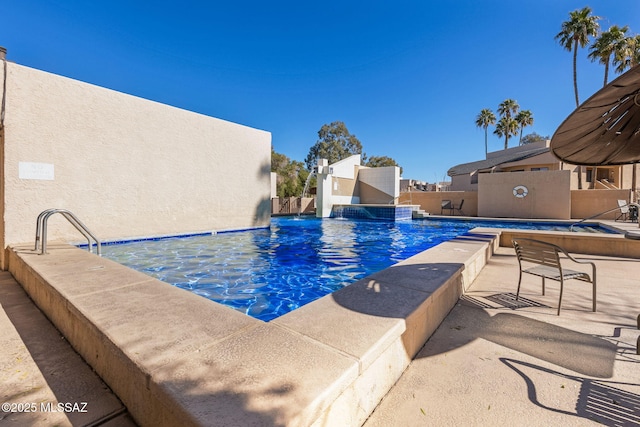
x: 304, y: 190
x: 268, y: 272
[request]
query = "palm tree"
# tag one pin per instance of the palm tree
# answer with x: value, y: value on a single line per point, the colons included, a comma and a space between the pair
x: 606, y: 45
x: 483, y: 120
x: 575, y: 33
x: 508, y: 107
x: 524, y: 118
x: 627, y: 53
x: 506, y: 127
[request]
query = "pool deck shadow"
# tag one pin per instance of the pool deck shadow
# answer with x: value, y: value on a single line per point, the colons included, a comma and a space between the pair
x: 494, y: 363
x: 174, y: 358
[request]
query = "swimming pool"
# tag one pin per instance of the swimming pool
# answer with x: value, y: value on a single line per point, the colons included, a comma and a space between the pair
x: 268, y: 272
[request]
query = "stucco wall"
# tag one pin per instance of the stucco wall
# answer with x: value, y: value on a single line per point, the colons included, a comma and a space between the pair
x: 463, y: 183
x: 379, y: 185
x: 431, y: 201
x: 124, y: 165
x: 587, y: 203
x: 548, y: 195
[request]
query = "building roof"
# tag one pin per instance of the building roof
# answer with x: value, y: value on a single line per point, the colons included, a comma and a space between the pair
x: 507, y: 157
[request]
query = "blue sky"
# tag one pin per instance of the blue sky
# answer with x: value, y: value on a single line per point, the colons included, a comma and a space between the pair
x: 407, y: 77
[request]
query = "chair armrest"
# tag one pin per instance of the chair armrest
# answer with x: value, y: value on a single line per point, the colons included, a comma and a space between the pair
x: 577, y: 261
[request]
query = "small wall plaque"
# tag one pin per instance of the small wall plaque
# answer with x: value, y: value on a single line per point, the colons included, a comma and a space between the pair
x: 31, y: 170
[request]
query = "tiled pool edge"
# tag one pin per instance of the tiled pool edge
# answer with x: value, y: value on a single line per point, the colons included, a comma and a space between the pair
x: 88, y: 299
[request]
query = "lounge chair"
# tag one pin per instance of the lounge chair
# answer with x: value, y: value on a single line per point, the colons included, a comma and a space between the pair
x: 542, y: 259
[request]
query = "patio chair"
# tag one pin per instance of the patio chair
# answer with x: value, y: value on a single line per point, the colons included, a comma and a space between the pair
x: 542, y: 259
x: 624, y: 210
x: 446, y: 205
x: 633, y: 212
x: 458, y: 208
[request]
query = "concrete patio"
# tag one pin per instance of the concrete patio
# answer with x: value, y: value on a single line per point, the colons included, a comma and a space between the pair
x: 495, y: 361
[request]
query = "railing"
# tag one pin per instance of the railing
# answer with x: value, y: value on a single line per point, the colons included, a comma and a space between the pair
x: 41, y: 230
x: 601, y: 213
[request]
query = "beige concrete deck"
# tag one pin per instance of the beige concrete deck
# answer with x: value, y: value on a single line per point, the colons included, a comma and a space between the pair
x: 498, y: 362
x: 173, y: 357
x: 39, y: 370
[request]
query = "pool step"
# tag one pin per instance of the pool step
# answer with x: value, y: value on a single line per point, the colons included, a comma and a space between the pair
x: 419, y: 213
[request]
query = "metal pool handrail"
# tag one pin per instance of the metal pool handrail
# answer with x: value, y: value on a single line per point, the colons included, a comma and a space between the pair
x: 41, y: 229
x: 597, y: 215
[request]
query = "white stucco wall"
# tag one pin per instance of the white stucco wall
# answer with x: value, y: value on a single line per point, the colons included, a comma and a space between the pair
x: 346, y: 168
x: 126, y: 166
x: 385, y: 179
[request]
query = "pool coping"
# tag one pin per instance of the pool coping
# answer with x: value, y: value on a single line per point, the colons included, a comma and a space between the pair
x: 174, y: 357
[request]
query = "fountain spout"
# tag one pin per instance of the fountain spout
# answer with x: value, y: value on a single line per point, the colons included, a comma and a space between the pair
x: 304, y: 191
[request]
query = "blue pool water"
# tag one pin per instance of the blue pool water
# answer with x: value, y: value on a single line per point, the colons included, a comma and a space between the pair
x: 266, y: 273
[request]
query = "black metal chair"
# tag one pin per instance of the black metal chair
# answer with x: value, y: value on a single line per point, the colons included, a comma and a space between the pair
x: 458, y: 208
x: 446, y: 206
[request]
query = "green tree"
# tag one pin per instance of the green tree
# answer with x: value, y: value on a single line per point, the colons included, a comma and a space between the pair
x: 524, y: 119
x: 605, y: 45
x: 533, y: 137
x: 381, y: 161
x: 334, y: 143
x: 291, y: 175
x: 507, y: 126
x: 576, y: 33
x: 483, y: 120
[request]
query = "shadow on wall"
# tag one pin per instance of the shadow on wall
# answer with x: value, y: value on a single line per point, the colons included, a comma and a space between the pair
x: 262, y: 214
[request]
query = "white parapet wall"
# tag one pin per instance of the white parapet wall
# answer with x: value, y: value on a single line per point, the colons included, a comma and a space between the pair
x: 379, y: 185
x: 126, y: 166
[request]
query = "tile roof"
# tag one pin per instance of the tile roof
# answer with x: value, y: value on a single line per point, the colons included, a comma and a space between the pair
x: 467, y: 168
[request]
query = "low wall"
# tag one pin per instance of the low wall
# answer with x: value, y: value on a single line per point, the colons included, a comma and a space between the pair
x: 431, y: 201
x: 576, y: 242
x: 542, y: 195
x: 587, y: 203
x: 501, y: 203
x: 379, y: 185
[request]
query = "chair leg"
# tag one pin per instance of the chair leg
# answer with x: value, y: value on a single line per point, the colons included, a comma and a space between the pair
x: 518, y: 294
x: 638, y: 343
x: 560, y: 299
x: 544, y: 288
x: 594, y: 295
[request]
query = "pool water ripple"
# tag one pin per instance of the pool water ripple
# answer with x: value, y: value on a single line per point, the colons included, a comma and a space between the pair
x: 266, y: 273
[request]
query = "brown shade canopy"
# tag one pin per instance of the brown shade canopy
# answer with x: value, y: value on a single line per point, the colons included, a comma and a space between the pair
x: 605, y: 129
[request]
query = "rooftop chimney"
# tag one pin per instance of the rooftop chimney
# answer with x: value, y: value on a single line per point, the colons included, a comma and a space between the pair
x: 3, y: 53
